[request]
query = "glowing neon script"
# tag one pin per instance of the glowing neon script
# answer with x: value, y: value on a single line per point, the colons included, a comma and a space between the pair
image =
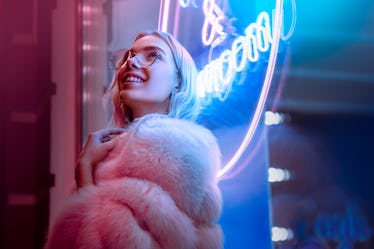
x: 251, y: 53
x: 164, y: 18
x: 264, y: 90
x: 185, y: 4
x: 213, y: 16
x: 217, y: 77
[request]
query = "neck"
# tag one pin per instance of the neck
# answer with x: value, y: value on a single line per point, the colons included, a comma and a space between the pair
x: 140, y: 111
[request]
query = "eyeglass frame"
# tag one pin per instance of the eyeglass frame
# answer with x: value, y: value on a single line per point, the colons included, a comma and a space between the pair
x: 114, y: 64
x: 152, y: 49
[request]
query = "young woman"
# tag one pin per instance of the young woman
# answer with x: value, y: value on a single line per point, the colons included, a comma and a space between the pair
x: 149, y: 181
x: 161, y: 79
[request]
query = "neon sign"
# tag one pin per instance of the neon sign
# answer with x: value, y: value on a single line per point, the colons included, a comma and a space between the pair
x: 217, y: 77
x: 213, y: 17
x: 264, y: 92
x: 214, y: 79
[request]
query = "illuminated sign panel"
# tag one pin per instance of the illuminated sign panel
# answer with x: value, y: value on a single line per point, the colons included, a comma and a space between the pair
x: 236, y: 65
x: 216, y: 78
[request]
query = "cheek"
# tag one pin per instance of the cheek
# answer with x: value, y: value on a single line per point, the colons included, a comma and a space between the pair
x: 163, y: 82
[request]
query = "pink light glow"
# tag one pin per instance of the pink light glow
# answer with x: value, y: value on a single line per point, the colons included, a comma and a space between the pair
x: 264, y: 92
x: 213, y: 80
x: 213, y: 16
x: 164, y: 17
x: 277, y: 25
x: 247, y: 159
x: 176, y: 20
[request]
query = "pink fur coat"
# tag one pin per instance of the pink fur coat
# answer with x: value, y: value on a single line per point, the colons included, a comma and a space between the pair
x: 156, y: 189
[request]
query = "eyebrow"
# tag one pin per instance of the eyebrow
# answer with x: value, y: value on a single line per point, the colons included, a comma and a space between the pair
x: 148, y: 48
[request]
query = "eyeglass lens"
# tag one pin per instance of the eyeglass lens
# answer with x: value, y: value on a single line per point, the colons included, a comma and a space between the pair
x: 145, y: 57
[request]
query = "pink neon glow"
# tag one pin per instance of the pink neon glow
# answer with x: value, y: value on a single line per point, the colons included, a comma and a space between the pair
x: 165, y: 5
x: 247, y: 159
x: 264, y: 92
x: 212, y: 79
x: 176, y: 20
x: 164, y: 17
x: 213, y: 16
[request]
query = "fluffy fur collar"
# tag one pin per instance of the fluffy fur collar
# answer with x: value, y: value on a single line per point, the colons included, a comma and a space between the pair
x: 156, y: 189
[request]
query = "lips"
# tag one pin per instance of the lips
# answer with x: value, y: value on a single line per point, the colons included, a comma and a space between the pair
x: 133, y: 79
x: 129, y: 79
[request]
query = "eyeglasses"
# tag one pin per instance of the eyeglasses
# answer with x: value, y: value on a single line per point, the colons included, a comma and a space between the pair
x: 144, y: 57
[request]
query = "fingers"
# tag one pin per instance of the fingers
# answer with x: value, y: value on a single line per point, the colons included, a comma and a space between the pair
x: 106, y: 135
x: 96, y: 149
x: 111, y: 131
x: 83, y: 175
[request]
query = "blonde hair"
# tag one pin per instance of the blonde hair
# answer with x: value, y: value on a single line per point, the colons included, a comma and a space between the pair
x: 184, y: 101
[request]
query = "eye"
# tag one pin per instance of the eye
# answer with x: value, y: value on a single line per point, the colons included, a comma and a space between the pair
x: 155, y: 54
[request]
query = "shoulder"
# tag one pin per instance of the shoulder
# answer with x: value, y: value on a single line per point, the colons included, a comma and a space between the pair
x: 162, y: 125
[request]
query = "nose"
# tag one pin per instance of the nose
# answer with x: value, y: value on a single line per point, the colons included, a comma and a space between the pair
x: 133, y: 63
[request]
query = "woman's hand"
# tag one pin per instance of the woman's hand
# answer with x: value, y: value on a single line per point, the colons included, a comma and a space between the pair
x: 95, y: 150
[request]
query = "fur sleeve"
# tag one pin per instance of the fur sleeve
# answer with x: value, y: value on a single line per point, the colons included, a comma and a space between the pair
x: 157, y: 189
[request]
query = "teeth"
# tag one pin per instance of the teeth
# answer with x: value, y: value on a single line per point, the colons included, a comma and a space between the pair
x: 133, y: 79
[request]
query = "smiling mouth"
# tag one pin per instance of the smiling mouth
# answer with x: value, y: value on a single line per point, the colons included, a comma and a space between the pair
x: 132, y: 79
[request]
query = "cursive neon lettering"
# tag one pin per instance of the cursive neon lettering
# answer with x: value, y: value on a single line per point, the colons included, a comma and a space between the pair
x: 211, y: 6
x: 287, y: 36
x: 264, y: 37
x: 185, y: 4
x: 216, y: 78
x: 239, y: 61
x: 251, y: 41
x: 263, y: 94
x: 257, y: 40
x: 211, y: 26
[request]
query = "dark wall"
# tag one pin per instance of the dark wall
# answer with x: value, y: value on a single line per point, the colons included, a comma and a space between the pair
x: 26, y: 88
x: 329, y: 196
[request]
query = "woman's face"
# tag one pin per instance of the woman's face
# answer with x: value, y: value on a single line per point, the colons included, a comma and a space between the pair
x: 145, y: 82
